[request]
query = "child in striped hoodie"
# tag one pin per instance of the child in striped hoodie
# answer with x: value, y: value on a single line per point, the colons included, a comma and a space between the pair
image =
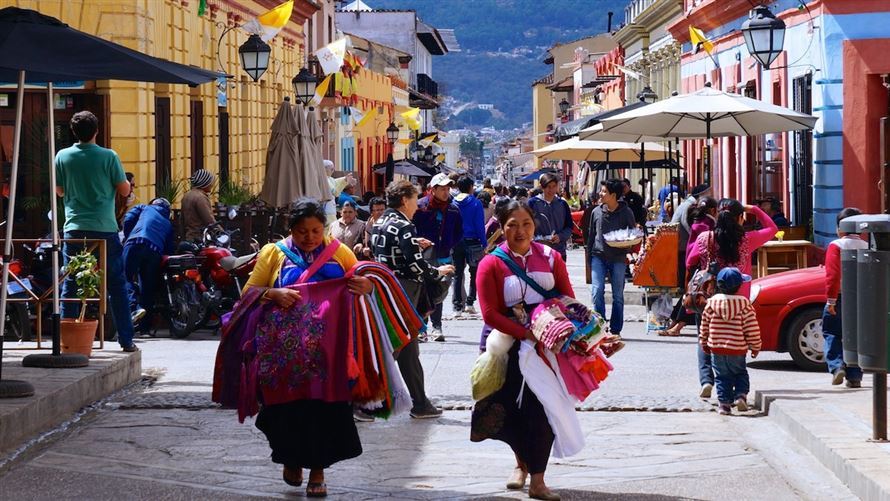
x: 728, y: 330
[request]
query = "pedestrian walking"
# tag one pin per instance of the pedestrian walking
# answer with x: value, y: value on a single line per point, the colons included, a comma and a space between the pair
x: 88, y: 178
x: 439, y: 220
x: 831, y: 315
x: 396, y: 244
x: 728, y: 331
x: 553, y: 217
x: 148, y: 235
x: 514, y: 414
x: 605, y: 261
x: 348, y: 229
x: 197, y: 211
x: 376, y: 207
x: 313, y: 433
x: 469, y: 250
x: 664, y: 195
x: 728, y: 245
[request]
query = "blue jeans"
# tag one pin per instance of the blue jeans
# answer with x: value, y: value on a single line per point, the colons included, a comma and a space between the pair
x: 834, y: 347
x: 142, y: 267
x: 465, y: 253
x: 732, y: 377
x: 599, y: 269
x: 117, y: 282
x: 705, y: 368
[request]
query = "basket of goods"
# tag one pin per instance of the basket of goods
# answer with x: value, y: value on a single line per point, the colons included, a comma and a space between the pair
x: 623, y: 238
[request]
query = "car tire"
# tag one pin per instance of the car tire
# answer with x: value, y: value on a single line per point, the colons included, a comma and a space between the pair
x: 804, y: 335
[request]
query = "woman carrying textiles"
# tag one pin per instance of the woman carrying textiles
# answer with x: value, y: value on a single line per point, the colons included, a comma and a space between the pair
x: 506, y: 301
x: 312, y: 425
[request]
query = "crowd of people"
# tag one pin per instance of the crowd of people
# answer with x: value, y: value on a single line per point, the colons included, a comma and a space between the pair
x: 503, y: 248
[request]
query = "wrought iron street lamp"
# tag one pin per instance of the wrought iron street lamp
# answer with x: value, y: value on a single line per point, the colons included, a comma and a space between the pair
x: 647, y: 95
x: 304, y: 86
x: 392, y: 135
x: 764, y: 35
x: 563, y: 106
x: 255, y: 56
x: 428, y: 155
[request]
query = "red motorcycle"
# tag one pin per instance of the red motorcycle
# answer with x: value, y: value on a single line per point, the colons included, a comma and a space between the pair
x: 182, y: 281
x: 223, y: 275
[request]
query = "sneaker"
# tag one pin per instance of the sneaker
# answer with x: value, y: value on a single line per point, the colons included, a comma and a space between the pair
x: 458, y: 315
x: 437, y: 334
x: 706, y: 390
x: 138, y: 315
x: 360, y: 416
x: 725, y: 410
x: 854, y: 384
x: 741, y: 404
x: 470, y: 310
x: 838, y: 377
x: 429, y: 412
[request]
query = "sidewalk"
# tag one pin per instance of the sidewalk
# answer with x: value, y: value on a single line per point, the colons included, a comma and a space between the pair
x: 834, y: 424
x: 59, y: 393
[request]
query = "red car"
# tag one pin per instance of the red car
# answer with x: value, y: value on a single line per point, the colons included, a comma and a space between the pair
x: 789, y: 310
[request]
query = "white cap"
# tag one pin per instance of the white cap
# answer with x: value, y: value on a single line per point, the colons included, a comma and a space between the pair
x: 441, y: 179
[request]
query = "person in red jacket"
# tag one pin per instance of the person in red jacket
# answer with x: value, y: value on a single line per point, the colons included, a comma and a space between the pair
x: 831, y: 316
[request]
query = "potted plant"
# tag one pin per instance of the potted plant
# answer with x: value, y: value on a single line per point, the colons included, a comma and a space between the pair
x: 78, y: 334
x: 233, y: 196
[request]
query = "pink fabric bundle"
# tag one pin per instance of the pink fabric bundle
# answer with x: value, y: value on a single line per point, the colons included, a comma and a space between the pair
x: 550, y: 325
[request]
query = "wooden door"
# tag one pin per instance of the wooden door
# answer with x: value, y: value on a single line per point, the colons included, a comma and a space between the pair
x: 223, y: 145
x: 196, y: 140
x: 163, y: 155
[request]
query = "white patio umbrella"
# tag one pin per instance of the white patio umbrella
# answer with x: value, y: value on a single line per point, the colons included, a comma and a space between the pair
x: 600, y: 151
x: 706, y: 114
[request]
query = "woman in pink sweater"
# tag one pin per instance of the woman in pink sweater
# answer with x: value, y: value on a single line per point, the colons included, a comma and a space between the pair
x: 730, y: 245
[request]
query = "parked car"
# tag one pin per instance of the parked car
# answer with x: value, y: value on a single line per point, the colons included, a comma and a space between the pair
x: 789, y: 311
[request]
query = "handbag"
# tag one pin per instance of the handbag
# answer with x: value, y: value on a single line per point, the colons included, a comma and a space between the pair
x: 703, y: 284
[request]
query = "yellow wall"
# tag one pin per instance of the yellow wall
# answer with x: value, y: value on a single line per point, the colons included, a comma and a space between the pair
x: 544, y: 115
x: 172, y: 29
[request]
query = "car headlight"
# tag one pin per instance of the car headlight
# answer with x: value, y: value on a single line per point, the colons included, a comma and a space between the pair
x: 755, y: 291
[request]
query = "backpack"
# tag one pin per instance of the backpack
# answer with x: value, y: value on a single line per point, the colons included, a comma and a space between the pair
x: 703, y: 284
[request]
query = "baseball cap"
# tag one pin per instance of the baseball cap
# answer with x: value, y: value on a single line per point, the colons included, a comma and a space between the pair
x: 731, y: 278
x: 441, y: 179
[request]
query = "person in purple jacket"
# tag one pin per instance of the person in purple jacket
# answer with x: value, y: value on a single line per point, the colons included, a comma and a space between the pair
x: 470, y: 250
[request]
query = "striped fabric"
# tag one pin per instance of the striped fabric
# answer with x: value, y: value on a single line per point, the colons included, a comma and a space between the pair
x: 729, y: 326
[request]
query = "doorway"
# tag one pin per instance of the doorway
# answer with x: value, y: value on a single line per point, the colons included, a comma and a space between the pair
x: 163, y: 156
x: 802, y: 161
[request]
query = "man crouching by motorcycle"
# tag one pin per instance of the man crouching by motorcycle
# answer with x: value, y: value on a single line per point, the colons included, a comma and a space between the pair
x: 148, y: 235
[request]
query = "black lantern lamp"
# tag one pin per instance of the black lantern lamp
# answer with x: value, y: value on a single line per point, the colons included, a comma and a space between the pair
x: 764, y: 35
x: 647, y: 95
x: 392, y: 133
x: 563, y: 106
x: 255, y: 56
x: 304, y: 86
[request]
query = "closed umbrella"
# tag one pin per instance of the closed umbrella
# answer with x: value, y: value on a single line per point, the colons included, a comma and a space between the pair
x: 315, y: 175
x: 282, y: 183
x: 40, y: 49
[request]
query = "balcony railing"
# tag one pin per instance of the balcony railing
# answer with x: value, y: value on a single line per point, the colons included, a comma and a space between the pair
x: 426, y: 85
x: 635, y: 8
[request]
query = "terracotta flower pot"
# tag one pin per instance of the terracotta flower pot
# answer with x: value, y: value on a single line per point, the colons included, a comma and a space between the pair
x: 77, y: 337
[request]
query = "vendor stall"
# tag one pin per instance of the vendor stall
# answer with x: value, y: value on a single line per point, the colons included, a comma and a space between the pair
x: 656, y: 272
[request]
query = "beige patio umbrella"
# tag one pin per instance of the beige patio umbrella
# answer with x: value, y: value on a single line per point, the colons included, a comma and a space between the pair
x: 601, y: 151
x: 282, y: 183
x: 314, y: 174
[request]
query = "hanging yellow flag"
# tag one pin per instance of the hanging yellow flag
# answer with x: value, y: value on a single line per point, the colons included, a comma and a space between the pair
x: 427, y: 141
x: 320, y: 91
x: 699, y: 40
x: 368, y: 116
x: 269, y: 24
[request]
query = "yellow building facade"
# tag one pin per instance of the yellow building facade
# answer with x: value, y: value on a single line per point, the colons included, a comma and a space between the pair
x: 162, y: 130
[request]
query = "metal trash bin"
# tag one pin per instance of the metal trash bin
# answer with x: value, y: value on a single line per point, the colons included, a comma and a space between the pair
x: 873, y: 307
x: 849, y: 305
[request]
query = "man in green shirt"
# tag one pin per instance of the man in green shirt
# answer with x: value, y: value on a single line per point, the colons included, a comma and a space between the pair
x: 88, y: 178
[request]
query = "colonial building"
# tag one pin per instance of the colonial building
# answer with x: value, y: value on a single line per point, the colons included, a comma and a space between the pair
x: 834, y: 65
x: 649, y: 48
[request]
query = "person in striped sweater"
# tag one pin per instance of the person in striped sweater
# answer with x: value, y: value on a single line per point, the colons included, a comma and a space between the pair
x: 728, y: 330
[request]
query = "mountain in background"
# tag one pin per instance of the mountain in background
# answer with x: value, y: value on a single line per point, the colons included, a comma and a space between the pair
x: 502, y: 50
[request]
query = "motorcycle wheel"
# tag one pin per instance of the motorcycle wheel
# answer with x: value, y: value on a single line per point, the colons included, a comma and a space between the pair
x: 18, y: 322
x: 183, y: 317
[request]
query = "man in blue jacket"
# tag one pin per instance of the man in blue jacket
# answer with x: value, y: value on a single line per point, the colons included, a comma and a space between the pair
x: 469, y: 250
x: 438, y: 220
x: 553, y: 218
x: 148, y: 234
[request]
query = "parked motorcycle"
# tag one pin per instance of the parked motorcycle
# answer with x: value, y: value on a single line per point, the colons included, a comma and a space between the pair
x: 182, y: 281
x: 223, y: 275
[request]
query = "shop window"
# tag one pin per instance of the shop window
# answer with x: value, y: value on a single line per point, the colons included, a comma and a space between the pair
x: 802, y: 161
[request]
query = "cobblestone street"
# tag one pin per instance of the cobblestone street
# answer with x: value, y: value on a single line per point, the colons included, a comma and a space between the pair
x: 648, y: 437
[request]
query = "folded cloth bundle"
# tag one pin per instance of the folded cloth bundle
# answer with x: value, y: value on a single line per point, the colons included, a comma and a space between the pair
x: 564, y: 323
x: 490, y: 370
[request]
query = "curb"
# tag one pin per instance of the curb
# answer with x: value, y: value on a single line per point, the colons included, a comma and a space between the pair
x: 841, y: 447
x: 60, y: 393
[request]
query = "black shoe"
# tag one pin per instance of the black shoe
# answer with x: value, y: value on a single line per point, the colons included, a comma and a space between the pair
x: 430, y: 412
x: 131, y: 348
x: 854, y: 384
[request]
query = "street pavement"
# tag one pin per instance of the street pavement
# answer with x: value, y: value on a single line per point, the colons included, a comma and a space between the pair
x: 649, y: 436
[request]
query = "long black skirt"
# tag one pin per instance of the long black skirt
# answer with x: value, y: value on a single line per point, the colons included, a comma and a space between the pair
x: 524, y: 428
x: 310, y: 433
